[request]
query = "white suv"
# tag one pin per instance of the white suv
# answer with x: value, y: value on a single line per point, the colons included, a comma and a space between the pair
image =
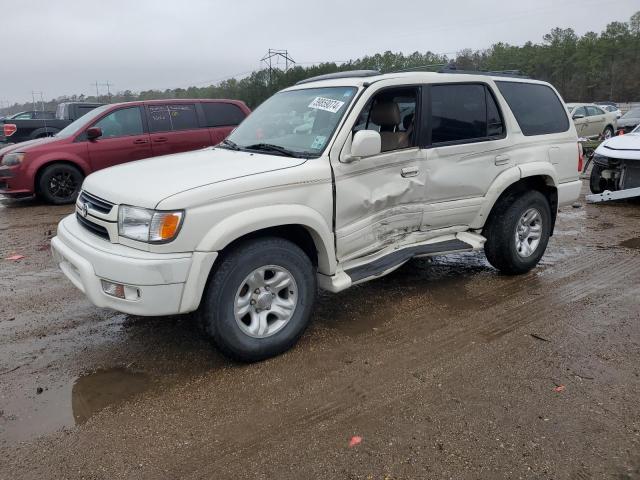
x: 337, y: 180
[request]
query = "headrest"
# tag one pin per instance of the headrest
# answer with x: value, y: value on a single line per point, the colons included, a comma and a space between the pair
x: 386, y: 114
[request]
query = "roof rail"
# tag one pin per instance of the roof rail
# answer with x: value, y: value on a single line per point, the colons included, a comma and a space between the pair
x: 419, y: 68
x: 492, y: 73
x: 344, y: 74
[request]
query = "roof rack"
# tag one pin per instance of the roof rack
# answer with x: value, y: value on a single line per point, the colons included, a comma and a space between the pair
x: 420, y: 68
x: 344, y: 74
x: 492, y: 73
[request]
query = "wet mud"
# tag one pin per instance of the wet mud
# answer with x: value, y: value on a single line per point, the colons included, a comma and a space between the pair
x: 445, y: 368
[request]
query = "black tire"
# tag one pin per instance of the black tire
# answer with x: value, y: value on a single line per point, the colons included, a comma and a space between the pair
x: 500, y: 232
x: 608, y: 129
x: 216, y: 312
x: 596, y: 183
x: 59, y: 183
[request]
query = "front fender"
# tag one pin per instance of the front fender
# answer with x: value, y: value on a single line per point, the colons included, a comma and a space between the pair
x: 43, y: 160
x: 508, y: 178
x: 249, y: 221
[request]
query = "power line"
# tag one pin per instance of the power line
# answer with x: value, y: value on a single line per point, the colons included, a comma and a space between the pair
x: 277, y: 55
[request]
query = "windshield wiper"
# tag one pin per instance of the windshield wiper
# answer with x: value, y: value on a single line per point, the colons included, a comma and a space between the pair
x: 230, y: 144
x: 269, y: 147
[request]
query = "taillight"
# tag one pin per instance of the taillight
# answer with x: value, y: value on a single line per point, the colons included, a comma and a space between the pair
x: 9, y: 129
x: 580, y: 157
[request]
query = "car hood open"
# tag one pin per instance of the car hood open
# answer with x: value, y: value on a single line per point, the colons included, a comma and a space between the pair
x: 623, y: 147
x: 145, y: 183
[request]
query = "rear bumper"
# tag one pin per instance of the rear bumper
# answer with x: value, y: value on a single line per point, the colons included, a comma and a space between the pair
x: 159, y: 284
x: 569, y: 192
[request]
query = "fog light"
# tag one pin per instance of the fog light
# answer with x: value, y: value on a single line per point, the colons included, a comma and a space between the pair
x: 118, y: 290
x: 113, y: 289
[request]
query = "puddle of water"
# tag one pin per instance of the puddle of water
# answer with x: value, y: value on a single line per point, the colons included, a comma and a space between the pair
x: 67, y: 404
x: 631, y: 243
x: 95, y: 391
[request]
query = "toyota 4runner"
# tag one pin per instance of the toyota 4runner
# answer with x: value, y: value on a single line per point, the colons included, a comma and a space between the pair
x: 335, y: 181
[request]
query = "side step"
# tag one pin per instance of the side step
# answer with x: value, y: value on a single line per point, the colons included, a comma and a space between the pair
x: 616, y: 195
x: 387, y: 263
x: 399, y: 257
x: 461, y: 243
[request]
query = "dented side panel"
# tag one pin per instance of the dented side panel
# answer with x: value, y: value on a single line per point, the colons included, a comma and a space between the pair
x: 378, y: 206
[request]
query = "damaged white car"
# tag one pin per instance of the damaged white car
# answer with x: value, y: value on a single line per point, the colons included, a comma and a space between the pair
x: 333, y: 182
x: 616, y: 164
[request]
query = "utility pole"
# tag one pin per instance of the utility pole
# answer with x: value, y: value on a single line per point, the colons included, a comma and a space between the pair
x: 33, y: 99
x: 106, y: 84
x: 272, y: 54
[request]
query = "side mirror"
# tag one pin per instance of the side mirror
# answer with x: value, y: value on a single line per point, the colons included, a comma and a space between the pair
x: 365, y: 143
x: 93, y: 133
x: 578, y: 116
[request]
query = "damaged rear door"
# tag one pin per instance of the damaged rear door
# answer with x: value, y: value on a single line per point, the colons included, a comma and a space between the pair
x: 467, y: 149
x: 380, y: 199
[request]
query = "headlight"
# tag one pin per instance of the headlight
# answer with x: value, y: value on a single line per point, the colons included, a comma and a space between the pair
x: 12, y: 159
x: 149, y: 226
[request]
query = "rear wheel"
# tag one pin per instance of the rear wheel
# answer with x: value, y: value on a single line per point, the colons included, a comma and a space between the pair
x: 59, y: 183
x: 259, y: 299
x: 518, y: 232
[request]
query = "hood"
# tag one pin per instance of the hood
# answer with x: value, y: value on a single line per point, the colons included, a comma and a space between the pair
x: 145, y: 183
x: 623, y: 146
x: 25, y: 146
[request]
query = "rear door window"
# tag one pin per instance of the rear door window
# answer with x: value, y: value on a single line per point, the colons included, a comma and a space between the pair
x: 464, y: 113
x: 167, y: 118
x: 536, y: 107
x: 222, y: 114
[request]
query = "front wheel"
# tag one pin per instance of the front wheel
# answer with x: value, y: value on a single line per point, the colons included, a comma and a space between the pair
x: 59, y: 183
x: 259, y: 299
x: 518, y: 232
x: 608, y: 132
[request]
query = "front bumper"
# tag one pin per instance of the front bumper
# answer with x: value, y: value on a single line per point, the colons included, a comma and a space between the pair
x: 167, y: 283
x: 12, y: 183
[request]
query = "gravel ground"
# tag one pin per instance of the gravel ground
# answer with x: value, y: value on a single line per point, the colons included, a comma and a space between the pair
x: 445, y: 369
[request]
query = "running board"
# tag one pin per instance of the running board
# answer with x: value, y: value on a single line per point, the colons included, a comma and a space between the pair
x: 383, y: 264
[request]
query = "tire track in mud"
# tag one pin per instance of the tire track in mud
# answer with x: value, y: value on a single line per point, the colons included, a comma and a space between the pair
x: 372, y: 393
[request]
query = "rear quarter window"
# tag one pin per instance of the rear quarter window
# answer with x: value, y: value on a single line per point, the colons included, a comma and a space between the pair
x: 222, y: 114
x: 536, y: 107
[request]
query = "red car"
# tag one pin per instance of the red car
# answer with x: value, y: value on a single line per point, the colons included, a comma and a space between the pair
x: 54, y: 168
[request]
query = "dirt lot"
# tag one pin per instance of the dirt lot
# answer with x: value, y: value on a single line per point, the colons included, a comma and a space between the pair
x: 445, y: 368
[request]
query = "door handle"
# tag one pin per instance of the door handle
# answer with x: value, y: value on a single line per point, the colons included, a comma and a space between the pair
x: 502, y: 159
x: 409, y: 172
x: 140, y: 141
x: 160, y: 139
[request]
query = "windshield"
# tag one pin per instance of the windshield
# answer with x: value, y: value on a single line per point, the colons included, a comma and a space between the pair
x: 296, y: 122
x: 635, y: 113
x: 79, y: 124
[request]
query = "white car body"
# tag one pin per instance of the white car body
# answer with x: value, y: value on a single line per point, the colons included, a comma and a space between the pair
x: 593, y: 121
x: 356, y: 212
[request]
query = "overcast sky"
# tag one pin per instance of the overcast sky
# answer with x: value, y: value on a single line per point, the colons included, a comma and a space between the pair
x: 61, y: 47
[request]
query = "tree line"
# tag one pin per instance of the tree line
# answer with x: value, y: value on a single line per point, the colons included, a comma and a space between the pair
x: 591, y: 67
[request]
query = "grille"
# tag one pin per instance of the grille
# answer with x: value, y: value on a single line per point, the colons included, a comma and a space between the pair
x: 98, y: 230
x: 96, y: 203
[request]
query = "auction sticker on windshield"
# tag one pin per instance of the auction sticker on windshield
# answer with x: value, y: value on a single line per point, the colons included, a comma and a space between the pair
x: 326, y: 104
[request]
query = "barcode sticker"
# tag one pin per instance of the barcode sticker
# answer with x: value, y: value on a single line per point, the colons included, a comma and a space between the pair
x: 326, y: 104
